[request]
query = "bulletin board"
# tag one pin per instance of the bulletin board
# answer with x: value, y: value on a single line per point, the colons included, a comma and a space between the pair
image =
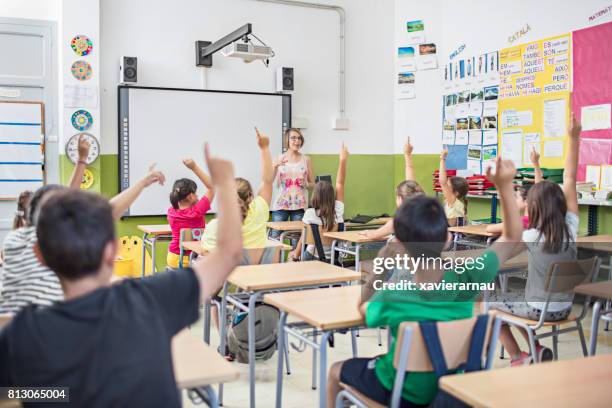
x: 21, y: 147
x: 534, y: 100
x: 592, y: 96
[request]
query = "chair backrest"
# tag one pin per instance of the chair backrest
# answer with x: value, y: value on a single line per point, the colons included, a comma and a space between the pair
x: 5, y: 319
x: 266, y: 255
x: 190, y: 234
x: 455, y: 337
x: 564, y: 276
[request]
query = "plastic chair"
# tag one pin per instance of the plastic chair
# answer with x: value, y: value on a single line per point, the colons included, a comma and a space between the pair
x: 458, y: 349
x: 561, y: 277
x: 188, y: 234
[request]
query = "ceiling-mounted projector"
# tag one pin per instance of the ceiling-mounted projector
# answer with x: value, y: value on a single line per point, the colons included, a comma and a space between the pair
x: 249, y: 52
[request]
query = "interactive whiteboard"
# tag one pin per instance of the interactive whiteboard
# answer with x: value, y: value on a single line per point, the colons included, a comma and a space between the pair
x: 163, y: 126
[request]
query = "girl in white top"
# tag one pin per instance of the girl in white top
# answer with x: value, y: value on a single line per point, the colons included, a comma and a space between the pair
x: 328, y: 207
x: 455, y: 190
x: 550, y: 237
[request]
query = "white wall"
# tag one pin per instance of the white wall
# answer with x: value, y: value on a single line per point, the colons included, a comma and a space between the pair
x: 33, y: 9
x: 482, y: 25
x: 162, y: 35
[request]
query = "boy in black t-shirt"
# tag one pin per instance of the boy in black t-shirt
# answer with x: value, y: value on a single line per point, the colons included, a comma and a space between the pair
x: 111, y: 344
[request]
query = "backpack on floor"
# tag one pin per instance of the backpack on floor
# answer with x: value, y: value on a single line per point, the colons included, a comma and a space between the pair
x: 266, y: 333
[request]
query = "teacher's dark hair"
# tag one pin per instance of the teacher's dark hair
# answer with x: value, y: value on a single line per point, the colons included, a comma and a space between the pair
x: 299, y: 133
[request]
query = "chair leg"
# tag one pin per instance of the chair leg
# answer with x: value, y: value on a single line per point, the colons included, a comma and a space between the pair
x: 585, y: 352
x: 555, y: 340
x: 286, y: 352
x: 501, y: 353
x: 532, y: 345
x: 379, y: 337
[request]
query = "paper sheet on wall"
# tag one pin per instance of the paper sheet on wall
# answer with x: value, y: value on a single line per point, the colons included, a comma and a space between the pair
x: 490, y: 108
x: 554, y: 118
x: 461, y: 137
x: 461, y: 111
x: 514, y: 118
x: 475, y: 109
x: 448, y: 137
x: 512, y: 146
x: 530, y: 141
x: 474, y: 166
x: 475, y: 137
x: 489, y: 137
x: 606, y: 177
x: 457, y: 157
x: 593, y: 175
x: 596, y: 117
x: 553, y: 148
x: 80, y: 96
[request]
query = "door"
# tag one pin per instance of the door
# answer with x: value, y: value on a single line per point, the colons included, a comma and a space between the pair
x: 28, y: 72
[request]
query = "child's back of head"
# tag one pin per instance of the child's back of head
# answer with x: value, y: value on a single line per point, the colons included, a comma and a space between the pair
x: 181, y: 189
x: 407, y: 189
x: 420, y: 224
x: 73, y: 229
x: 245, y: 195
x: 460, y: 187
x: 324, y: 203
x: 23, y: 205
x: 547, y: 211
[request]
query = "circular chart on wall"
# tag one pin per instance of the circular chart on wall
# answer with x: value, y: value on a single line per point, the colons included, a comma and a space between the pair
x: 81, y: 70
x: 81, y: 45
x: 88, y: 179
x: 81, y: 120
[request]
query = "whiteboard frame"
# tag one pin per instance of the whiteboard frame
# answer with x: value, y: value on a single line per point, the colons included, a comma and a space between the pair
x: 42, y: 142
x: 123, y: 130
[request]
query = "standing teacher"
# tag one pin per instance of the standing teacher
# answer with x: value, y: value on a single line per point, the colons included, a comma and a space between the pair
x: 292, y: 178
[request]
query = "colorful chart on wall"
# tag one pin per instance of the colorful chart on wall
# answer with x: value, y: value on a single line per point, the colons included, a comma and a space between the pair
x: 81, y: 70
x: 534, y: 103
x: 88, y: 180
x: 81, y: 45
x: 81, y: 120
x: 592, y: 96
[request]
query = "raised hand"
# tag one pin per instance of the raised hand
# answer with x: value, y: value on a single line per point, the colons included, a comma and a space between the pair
x: 189, y: 163
x: 221, y: 170
x: 444, y: 154
x: 154, y: 176
x: 344, y: 153
x: 83, y: 148
x: 504, y: 172
x: 263, y: 141
x: 575, y: 127
x: 534, y: 156
x: 408, y: 147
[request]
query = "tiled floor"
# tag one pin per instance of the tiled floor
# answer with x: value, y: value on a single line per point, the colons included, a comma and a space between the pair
x: 297, y: 391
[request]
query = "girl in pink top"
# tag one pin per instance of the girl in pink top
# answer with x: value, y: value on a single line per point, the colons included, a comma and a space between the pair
x: 187, y: 210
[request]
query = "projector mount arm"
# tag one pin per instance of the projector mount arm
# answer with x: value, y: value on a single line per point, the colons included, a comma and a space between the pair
x: 205, y: 49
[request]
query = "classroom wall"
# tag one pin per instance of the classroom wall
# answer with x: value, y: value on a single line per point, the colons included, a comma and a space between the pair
x: 482, y: 25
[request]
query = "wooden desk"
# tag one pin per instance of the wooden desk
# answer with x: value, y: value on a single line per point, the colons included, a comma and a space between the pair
x: 197, y: 366
x: 584, y: 382
x: 196, y: 246
x: 256, y: 280
x: 601, y: 291
x: 285, y: 225
x: 150, y: 235
x: 373, y: 223
x: 355, y: 239
x: 323, y: 309
x: 602, y: 243
x: 479, y: 230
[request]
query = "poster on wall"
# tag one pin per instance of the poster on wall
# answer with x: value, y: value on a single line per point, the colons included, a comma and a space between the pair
x: 416, y: 32
x: 405, y: 85
x: 427, y: 56
x: 406, y: 59
x: 534, y: 98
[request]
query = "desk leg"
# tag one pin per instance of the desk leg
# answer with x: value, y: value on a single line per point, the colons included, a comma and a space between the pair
x: 594, y: 328
x: 281, y: 350
x: 207, y: 321
x: 153, y: 245
x: 223, y: 332
x: 314, y: 361
x: 144, y: 254
x: 354, y: 342
x: 252, y: 300
x: 357, y: 261
x: 208, y: 395
x: 332, y: 254
x: 323, y: 369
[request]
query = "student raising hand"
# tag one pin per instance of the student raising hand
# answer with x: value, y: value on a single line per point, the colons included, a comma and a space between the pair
x: 534, y: 156
x: 122, y: 201
x: 154, y: 176
x: 76, y: 178
x: 262, y: 140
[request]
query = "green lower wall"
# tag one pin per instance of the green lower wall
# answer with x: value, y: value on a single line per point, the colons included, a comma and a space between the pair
x: 370, y: 184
